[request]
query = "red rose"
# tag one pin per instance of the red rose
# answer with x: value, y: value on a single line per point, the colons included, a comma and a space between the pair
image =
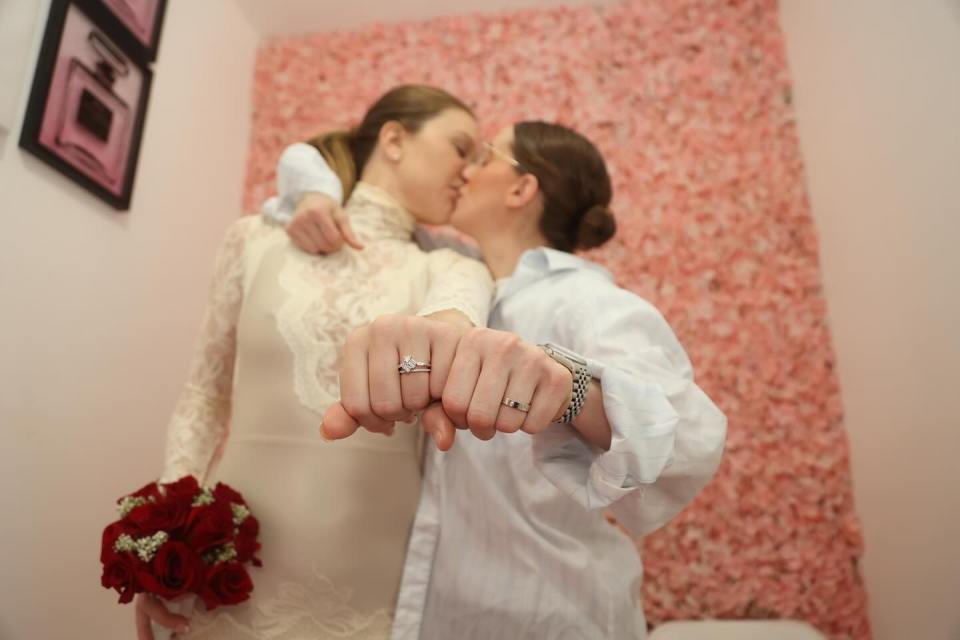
x: 227, y: 493
x: 209, y: 527
x: 120, y: 572
x: 110, y: 535
x: 175, y: 570
x: 246, y: 541
x: 165, y: 515
x: 186, y: 488
x: 226, y: 583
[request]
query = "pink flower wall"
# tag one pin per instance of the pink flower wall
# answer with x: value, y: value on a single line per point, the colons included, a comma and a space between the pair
x: 690, y: 102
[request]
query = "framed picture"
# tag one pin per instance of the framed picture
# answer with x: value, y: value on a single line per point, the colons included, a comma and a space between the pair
x: 87, y: 105
x: 138, y: 23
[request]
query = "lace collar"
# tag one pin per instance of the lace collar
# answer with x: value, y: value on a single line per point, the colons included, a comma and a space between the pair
x: 376, y: 215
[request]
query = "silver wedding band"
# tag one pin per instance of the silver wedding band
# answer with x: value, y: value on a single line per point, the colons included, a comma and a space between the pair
x: 409, y: 364
x: 516, y: 404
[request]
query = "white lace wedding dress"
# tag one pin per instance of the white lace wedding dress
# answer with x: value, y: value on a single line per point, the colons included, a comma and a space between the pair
x: 335, y: 517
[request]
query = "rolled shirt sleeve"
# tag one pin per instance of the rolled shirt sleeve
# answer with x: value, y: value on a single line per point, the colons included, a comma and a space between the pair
x: 667, y: 435
x: 301, y: 169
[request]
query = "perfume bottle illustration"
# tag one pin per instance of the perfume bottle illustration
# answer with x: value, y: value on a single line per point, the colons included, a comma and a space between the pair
x: 94, y: 121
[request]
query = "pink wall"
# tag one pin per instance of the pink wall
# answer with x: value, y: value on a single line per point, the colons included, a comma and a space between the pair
x: 100, y: 313
x: 691, y: 103
x: 878, y: 100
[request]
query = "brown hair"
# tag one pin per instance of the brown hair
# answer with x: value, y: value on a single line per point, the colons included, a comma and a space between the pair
x: 574, y: 182
x: 347, y: 152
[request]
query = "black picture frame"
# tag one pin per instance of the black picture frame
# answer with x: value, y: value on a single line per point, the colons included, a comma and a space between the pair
x: 123, y: 30
x: 93, y: 119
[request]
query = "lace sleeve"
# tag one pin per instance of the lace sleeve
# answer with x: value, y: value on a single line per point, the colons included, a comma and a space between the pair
x: 198, y: 428
x: 458, y: 283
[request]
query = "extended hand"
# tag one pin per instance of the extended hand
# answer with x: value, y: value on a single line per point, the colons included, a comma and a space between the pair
x: 374, y: 393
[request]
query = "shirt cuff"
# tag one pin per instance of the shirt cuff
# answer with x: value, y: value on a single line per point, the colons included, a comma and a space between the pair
x: 272, y: 214
x: 643, y: 425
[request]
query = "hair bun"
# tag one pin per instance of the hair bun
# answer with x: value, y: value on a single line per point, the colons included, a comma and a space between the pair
x: 596, y: 227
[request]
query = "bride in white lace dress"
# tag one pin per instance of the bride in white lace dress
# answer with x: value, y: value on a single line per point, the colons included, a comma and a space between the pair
x: 266, y: 370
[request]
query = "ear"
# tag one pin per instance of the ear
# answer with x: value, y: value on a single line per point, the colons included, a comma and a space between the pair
x: 524, y: 190
x: 391, y: 138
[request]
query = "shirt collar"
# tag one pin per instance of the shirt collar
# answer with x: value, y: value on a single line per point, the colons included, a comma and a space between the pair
x: 536, y: 264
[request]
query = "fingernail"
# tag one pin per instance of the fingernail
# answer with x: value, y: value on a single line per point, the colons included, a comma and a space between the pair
x: 185, y: 629
x: 323, y: 434
x: 436, y: 438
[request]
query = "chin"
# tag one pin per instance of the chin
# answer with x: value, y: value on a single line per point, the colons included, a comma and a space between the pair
x: 460, y: 223
x: 461, y: 212
x: 440, y: 216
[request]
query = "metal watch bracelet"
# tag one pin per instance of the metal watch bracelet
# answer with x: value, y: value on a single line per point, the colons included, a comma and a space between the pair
x: 581, y: 378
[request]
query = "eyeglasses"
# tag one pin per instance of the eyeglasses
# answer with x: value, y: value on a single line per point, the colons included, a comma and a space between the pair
x: 487, y: 150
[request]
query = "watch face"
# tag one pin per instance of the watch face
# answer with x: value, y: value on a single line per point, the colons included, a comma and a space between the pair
x: 566, y: 353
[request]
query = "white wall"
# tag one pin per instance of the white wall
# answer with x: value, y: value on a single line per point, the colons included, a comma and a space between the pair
x: 98, y: 314
x: 17, y: 22
x: 877, y: 91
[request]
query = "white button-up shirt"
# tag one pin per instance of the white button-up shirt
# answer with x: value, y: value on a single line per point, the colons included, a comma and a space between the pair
x: 510, y: 539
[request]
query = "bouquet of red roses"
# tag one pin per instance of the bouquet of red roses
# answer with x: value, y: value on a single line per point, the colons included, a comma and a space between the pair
x: 180, y: 538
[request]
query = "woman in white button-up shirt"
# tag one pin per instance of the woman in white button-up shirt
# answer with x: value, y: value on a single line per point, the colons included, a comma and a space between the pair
x: 510, y: 538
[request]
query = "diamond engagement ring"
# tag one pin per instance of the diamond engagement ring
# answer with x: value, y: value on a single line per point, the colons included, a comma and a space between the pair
x: 516, y: 404
x: 409, y: 364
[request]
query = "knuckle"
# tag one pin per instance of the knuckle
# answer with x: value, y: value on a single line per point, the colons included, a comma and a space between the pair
x: 445, y: 331
x: 455, y: 406
x: 386, y: 324
x: 505, y: 345
x: 386, y: 408
x: 483, y: 434
x: 480, y: 419
x: 473, y: 336
x: 536, y: 426
x: 533, y: 356
x: 509, y: 424
x: 556, y: 375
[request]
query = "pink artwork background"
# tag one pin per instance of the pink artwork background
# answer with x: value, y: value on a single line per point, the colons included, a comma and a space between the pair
x: 690, y: 102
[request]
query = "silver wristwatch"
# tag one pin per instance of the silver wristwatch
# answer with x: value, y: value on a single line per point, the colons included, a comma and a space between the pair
x: 577, y: 366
